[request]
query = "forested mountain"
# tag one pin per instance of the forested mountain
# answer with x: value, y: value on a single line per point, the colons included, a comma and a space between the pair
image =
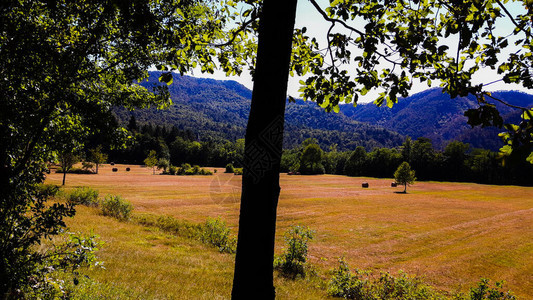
x: 218, y: 110
x: 434, y: 115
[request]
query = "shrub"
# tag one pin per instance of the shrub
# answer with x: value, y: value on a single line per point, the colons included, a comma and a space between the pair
x: 163, y: 163
x: 229, y: 168
x: 48, y: 190
x: 485, y: 291
x: 205, y: 172
x: 84, y: 196
x: 128, y: 169
x: 238, y: 171
x: 170, y: 224
x: 115, y: 169
x: 346, y: 285
x: 403, y: 287
x: 292, y: 261
x: 215, y: 232
x: 183, y: 169
x: 61, y: 266
x: 172, y: 170
x: 361, y: 285
x: 115, y: 206
x: 186, y: 169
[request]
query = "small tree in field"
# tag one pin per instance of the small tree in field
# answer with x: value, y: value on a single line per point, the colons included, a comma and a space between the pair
x: 151, y: 160
x: 67, y: 160
x: 97, y: 157
x: 404, y: 175
x: 163, y: 163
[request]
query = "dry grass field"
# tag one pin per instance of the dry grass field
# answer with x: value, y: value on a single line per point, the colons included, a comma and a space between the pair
x: 451, y: 234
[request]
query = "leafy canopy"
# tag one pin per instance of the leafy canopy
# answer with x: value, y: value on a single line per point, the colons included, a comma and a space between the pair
x: 63, y: 65
x: 388, y: 45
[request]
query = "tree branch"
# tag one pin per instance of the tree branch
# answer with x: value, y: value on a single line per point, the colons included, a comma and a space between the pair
x: 327, y: 18
x: 505, y: 103
x: 512, y: 19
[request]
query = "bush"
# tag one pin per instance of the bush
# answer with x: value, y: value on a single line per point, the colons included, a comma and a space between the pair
x: 61, y: 266
x: 361, y: 285
x: 84, y: 196
x: 238, y: 171
x: 183, y: 169
x: 403, y: 287
x: 205, y: 172
x: 170, y: 224
x: 48, y: 190
x: 115, y: 206
x: 186, y: 169
x: 485, y: 291
x: 346, y: 285
x: 292, y: 262
x: 229, y: 168
x: 114, y: 169
x: 128, y: 169
x: 172, y: 170
x: 215, y: 232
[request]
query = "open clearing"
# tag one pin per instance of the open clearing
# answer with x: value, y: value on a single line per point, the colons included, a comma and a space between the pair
x: 451, y: 234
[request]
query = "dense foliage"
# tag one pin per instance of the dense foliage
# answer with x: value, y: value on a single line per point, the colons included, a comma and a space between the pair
x: 387, y: 46
x: 63, y: 66
x: 457, y: 162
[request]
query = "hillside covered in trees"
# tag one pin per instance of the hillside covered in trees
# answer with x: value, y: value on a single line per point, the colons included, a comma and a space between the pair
x: 434, y: 115
x: 218, y: 110
x: 205, y: 126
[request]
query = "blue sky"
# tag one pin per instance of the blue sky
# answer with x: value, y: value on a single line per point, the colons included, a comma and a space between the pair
x: 317, y: 27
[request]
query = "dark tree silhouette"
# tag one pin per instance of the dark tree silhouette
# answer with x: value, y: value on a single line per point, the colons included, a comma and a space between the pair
x: 263, y: 144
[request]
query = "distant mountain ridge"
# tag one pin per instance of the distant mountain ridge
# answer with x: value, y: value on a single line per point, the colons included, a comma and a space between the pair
x: 435, y: 115
x: 215, y: 109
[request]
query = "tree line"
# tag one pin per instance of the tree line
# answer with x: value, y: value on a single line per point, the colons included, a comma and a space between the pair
x: 177, y: 146
x: 457, y: 162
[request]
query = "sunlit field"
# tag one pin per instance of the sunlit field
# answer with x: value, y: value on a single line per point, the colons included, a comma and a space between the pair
x: 451, y: 234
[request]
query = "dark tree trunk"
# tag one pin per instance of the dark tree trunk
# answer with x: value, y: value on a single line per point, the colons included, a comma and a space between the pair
x: 253, y: 278
x: 64, y: 176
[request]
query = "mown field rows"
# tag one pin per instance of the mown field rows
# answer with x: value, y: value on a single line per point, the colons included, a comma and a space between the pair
x: 451, y: 234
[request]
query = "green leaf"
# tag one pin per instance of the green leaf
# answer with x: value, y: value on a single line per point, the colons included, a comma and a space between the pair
x: 530, y: 158
x: 527, y: 114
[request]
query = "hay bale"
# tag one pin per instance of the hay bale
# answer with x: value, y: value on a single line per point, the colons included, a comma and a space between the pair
x: 115, y: 169
x: 393, y: 184
x: 112, y: 163
x: 365, y: 184
x: 128, y: 169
